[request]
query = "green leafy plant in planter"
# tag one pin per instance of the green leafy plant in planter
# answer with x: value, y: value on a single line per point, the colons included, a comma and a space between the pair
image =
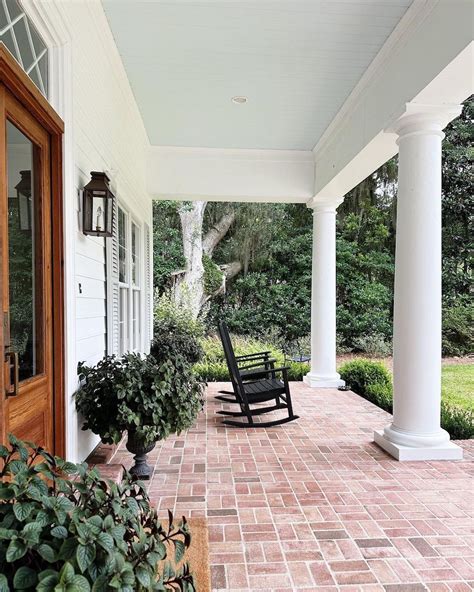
x: 147, y: 398
x: 63, y: 528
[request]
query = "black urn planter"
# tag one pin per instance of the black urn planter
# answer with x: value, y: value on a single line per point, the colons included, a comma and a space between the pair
x: 136, y: 446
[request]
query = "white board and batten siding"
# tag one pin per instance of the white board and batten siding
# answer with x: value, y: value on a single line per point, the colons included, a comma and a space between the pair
x: 107, y: 135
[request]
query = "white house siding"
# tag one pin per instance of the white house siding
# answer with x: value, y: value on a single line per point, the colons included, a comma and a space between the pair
x: 108, y: 135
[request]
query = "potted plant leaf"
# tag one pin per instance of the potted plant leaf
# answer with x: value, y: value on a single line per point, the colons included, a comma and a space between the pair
x: 135, y: 393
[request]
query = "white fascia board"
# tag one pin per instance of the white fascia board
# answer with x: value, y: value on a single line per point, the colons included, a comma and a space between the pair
x: 428, y: 60
x: 214, y: 174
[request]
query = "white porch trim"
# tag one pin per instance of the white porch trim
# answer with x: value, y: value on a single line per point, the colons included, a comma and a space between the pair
x: 54, y: 31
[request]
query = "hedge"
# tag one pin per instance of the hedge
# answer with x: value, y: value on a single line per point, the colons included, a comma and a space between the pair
x: 372, y: 381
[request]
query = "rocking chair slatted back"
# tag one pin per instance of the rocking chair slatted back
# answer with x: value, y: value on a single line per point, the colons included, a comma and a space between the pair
x: 235, y: 377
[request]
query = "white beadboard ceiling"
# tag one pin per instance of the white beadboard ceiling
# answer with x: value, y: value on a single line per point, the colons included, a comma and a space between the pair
x: 296, y: 61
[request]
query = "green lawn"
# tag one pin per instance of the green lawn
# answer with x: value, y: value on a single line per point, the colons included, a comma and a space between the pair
x: 458, y: 385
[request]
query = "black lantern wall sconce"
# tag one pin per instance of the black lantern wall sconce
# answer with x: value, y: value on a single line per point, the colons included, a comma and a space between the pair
x: 98, y: 206
x: 23, y: 195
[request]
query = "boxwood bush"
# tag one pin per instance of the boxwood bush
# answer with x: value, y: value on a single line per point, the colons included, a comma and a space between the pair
x: 373, y: 381
x: 63, y: 528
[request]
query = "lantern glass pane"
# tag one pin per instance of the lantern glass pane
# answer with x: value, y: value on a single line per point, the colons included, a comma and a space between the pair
x: 24, y: 212
x: 98, y: 213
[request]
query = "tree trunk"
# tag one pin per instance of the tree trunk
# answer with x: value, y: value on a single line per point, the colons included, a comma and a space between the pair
x: 189, y: 290
x: 217, y: 233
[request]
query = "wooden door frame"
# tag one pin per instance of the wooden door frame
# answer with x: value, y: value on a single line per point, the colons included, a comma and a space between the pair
x: 15, y: 79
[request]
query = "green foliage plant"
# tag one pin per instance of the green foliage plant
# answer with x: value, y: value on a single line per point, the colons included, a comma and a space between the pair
x: 458, y: 422
x: 63, y: 528
x: 372, y: 381
x: 168, y: 255
x: 458, y: 329
x: 213, y: 276
x: 137, y: 393
x: 373, y: 344
x: 176, y: 334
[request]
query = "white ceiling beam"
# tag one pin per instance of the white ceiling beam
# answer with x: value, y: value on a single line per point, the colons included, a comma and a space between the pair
x: 230, y: 175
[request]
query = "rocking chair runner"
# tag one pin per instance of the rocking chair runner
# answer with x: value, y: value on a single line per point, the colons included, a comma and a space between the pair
x: 267, y: 387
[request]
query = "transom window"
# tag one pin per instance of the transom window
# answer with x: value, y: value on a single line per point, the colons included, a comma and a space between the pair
x: 22, y: 39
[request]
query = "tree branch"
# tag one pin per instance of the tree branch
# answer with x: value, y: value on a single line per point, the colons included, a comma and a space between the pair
x: 217, y: 233
x: 231, y: 269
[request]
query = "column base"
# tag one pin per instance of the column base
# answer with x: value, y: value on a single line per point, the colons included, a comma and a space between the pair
x: 445, y: 451
x: 323, y: 380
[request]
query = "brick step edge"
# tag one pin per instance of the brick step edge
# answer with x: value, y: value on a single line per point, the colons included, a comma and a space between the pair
x: 112, y: 472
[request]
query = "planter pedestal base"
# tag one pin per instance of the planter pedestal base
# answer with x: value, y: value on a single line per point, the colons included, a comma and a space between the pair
x: 141, y: 469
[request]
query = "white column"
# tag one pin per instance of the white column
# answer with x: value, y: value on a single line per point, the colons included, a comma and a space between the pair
x: 323, y: 297
x: 415, y: 433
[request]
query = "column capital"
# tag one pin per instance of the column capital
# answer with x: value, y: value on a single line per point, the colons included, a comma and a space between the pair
x: 324, y: 204
x: 420, y: 119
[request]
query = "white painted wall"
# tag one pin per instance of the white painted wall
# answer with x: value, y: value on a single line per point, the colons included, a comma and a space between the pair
x: 103, y: 131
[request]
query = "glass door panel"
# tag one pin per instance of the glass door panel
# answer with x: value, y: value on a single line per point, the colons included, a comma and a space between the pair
x: 24, y: 253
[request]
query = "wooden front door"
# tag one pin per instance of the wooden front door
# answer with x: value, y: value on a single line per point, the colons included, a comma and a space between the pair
x: 26, y: 270
x: 31, y: 263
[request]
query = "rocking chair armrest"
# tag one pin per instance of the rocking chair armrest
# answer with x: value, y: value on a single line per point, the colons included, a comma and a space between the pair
x: 282, y: 369
x: 263, y: 354
x: 269, y: 361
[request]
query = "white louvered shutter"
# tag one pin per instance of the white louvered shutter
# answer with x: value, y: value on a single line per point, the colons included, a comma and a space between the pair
x: 148, y: 286
x: 113, y: 326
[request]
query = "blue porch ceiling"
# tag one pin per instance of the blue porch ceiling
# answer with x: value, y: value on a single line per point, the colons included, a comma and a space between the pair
x: 296, y: 60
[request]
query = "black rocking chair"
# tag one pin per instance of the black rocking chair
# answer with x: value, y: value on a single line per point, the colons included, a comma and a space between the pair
x: 259, y: 385
x: 251, y: 367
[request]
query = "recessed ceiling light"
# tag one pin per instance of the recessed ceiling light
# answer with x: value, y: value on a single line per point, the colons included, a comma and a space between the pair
x: 239, y: 100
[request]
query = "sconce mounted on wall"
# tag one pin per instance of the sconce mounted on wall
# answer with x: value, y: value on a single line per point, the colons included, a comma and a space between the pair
x: 98, y: 206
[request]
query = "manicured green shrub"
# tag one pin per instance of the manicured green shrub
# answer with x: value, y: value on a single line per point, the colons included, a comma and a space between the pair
x: 63, y: 528
x: 211, y: 371
x: 359, y: 374
x: 381, y: 395
x: 138, y: 393
x: 372, y: 381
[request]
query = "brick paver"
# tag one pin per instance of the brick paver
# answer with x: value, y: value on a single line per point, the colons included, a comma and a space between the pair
x: 315, y: 505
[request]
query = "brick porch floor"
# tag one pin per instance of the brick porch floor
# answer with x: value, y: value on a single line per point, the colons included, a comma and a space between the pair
x: 315, y: 505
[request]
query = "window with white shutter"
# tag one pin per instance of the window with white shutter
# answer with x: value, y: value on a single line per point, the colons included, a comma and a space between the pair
x: 127, y: 284
x: 112, y: 247
x: 148, y: 286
